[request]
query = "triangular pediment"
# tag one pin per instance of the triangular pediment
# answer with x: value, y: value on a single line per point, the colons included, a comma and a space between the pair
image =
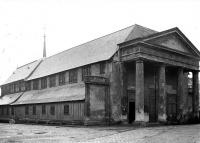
x: 174, y: 41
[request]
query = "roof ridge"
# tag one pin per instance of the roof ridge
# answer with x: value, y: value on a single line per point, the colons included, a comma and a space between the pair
x: 27, y: 64
x: 145, y: 27
x: 91, y: 41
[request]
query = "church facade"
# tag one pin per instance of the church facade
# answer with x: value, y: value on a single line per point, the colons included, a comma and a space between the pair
x: 132, y: 75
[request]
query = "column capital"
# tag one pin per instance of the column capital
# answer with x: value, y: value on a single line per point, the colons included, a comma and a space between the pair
x: 139, y: 61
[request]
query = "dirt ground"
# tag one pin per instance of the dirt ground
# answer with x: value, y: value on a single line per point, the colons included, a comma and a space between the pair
x: 28, y: 133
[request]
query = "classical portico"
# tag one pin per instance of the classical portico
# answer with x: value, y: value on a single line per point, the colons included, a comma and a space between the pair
x: 155, y: 76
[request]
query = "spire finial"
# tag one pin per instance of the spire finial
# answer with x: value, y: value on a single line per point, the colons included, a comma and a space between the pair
x: 44, y: 48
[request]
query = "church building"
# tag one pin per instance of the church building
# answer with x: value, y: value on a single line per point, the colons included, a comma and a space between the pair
x: 133, y: 75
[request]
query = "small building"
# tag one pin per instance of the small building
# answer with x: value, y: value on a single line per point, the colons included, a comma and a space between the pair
x: 133, y: 75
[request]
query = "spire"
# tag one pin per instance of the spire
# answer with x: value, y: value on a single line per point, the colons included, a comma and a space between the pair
x: 44, y: 49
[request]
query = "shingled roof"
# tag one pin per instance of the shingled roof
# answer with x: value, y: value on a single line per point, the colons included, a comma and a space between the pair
x: 69, y: 92
x: 8, y: 99
x: 94, y: 51
x: 22, y: 72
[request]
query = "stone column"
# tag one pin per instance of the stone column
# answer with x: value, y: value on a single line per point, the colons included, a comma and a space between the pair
x: 195, y: 100
x: 180, y: 92
x: 123, y: 92
x: 185, y: 93
x: 162, y: 94
x: 139, y: 106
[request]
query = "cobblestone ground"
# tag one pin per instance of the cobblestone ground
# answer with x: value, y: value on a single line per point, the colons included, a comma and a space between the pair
x: 106, y: 134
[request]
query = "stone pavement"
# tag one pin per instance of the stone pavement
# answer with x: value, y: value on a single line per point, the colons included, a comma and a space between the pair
x: 99, y: 134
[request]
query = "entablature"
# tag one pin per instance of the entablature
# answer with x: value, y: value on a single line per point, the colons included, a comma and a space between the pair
x: 158, y: 53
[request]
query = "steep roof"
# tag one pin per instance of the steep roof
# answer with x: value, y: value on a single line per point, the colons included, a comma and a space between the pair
x: 69, y: 92
x: 22, y: 72
x: 139, y: 31
x: 96, y: 50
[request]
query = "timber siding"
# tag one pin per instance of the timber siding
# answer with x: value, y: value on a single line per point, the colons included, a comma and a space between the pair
x: 76, y: 111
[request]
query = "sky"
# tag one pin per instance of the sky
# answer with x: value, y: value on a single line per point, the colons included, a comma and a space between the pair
x: 68, y: 23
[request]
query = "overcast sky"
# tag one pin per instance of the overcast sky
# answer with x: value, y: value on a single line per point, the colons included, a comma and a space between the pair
x: 72, y: 22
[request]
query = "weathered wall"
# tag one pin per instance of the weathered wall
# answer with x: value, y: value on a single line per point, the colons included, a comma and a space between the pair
x: 76, y: 111
x: 115, y: 96
x: 97, y: 97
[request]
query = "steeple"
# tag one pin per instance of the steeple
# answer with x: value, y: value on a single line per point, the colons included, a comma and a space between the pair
x: 44, y: 49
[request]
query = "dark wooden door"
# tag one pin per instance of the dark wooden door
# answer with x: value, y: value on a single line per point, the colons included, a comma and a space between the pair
x: 131, y: 112
x: 152, y: 106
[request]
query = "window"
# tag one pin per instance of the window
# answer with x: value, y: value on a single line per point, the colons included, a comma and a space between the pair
x: 34, y: 110
x: 7, y: 89
x: 52, y: 110
x: 11, y: 88
x: 62, y: 78
x: 66, y: 109
x: 43, y: 109
x: 28, y: 85
x: 7, y: 110
x: 3, y: 90
x: 12, y: 110
x: 16, y: 87
x: 52, y: 81
x: 85, y: 71
x: 73, y: 76
x: 26, y: 110
x: 102, y: 67
x: 35, y: 84
x: 2, y: 111
x: 22, y: 86
x: 44, y: 82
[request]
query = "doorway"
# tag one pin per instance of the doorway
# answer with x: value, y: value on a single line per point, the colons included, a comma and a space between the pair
x: 131, y: 109
x: 131, y: 112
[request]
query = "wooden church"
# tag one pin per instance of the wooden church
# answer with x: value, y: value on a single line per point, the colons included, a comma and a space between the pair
x: 133, y: 75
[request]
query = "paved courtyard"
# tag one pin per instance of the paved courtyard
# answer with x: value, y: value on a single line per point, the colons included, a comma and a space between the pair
x: 99, y: 134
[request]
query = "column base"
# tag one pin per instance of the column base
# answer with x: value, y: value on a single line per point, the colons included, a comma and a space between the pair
x: 142, y: 117
x: 162, y: 118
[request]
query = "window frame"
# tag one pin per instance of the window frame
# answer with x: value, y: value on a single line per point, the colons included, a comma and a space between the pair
x: 34, y: 110
x: 43, y: 82
x: 43, y: 109
x: 102, y: 67
x: 86, y: 70
x: 66, y: 110
x: 36, y: 84
x: 62, y: 76
x: 52, y: 110
x: 7, y: 110
x: 26, y: 110
x: 73, y: 76
x: 2, y: 111
x: 52, y: 81
x: 12, y: 110
x: 28, y: 86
